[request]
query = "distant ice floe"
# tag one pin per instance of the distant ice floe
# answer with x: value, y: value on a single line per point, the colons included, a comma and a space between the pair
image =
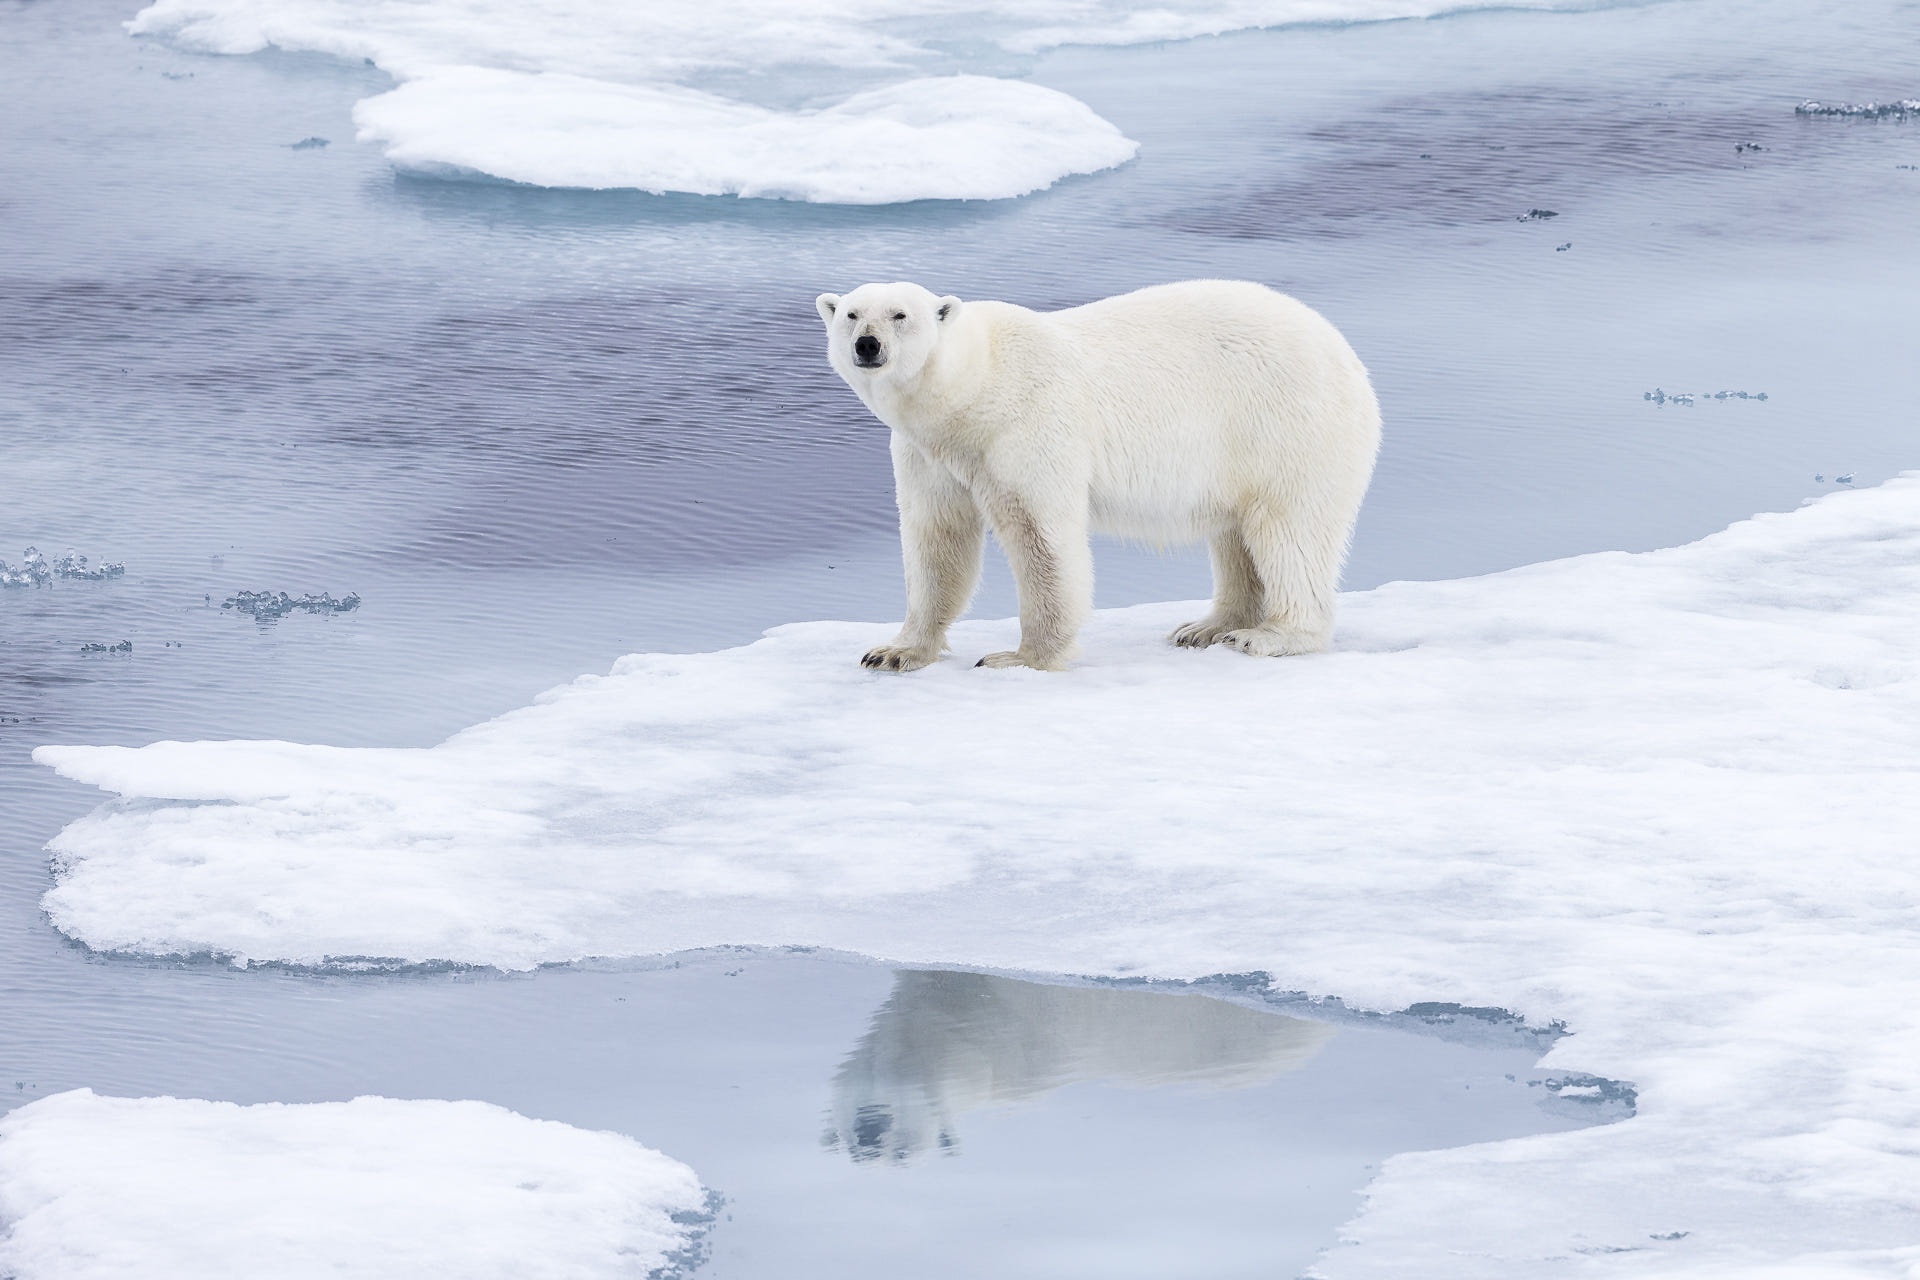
x: 99, y: 1188
x: 604, y: 93
x: 1687, y: 399
x: 35, y: 570
x: 1862, y: 110
x: 271, y: 606
x: 1665, y: 798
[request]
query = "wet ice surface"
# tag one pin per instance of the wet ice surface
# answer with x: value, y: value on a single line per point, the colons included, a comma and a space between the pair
x: 535, y: 430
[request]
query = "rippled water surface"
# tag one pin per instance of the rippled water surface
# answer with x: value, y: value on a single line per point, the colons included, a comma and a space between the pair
x: 533, y: 430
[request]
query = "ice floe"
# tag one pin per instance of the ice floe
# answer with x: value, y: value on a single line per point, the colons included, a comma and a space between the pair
x: 599, y: 93
x: 1667, y: 798
x: 101, y: 1188
x: 935, y: 138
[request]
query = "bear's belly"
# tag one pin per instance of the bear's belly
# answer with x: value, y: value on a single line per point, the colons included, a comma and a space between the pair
x: 1157, y: 518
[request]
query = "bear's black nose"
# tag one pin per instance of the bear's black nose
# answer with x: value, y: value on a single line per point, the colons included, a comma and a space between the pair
x: 866, y: 349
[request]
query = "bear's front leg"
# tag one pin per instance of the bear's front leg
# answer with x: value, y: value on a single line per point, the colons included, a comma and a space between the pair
x: 942, y: 536
x: 1053, y: 572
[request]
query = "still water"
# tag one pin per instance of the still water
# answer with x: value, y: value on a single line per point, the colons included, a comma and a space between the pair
x: 534, y: 430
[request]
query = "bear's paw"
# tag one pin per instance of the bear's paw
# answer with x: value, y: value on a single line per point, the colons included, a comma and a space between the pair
x: 1198, y: 635
x: 897, y: 657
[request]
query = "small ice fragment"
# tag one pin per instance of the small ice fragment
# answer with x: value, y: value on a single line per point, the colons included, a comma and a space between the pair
x: 309, y: 144
x: 1537, y: 215
x: 35, y: 570
x: 74, y: 565
x: 1819, y: 478
x: 1742, y: 147
x: 1845, y: 479
x: 123, y: 646
x: 1562, y: 248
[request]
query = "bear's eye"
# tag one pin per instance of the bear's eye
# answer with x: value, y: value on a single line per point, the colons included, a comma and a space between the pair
x: 899, y: 315
x: 853, y: 315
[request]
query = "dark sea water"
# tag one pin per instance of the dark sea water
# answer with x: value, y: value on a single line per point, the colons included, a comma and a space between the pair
x: 534, y: 430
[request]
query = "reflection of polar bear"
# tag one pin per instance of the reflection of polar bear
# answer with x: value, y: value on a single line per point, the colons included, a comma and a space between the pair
x: 1212, y: 409
x: 945, y: 1043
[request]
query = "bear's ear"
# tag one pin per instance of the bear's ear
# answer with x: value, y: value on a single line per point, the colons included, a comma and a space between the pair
x: 949, y: 308
x: 827, y: 304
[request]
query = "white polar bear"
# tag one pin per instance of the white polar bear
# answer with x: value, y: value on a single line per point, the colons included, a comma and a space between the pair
x: 1212, y: 409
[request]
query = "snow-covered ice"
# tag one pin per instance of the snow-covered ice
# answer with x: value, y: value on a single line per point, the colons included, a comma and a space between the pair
x: 1666, y: 797
x: 948, y: 137
x: 94, y: 1187
x: 666, y: 96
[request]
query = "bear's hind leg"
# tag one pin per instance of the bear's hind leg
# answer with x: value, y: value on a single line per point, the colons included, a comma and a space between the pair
x: 1236, y: 593
x: 1299, y: 567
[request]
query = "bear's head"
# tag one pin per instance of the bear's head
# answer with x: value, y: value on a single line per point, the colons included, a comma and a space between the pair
x: 883, y: 332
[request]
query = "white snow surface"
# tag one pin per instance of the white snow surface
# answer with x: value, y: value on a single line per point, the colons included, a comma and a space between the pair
x: 1671, y: 798
x: 661, y: 95
x: 101, y: 1188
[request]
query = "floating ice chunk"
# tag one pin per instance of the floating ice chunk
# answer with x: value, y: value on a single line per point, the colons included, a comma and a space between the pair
x: 271, y: 606
x: 1687, y: 398
x: 99, y: 1188
x: 1861, y: 110
x: 943, y: 138
x: 1537, y: 215
x: 74, y: 565
x: 35, y: 570
x: 309, y: 144
x: 120, y: 646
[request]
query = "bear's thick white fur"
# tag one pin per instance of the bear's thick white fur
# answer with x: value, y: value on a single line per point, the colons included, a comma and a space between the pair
x: 1214, y: 409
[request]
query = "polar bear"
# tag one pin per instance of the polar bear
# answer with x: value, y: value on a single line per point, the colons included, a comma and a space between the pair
x: 1212, y: 409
